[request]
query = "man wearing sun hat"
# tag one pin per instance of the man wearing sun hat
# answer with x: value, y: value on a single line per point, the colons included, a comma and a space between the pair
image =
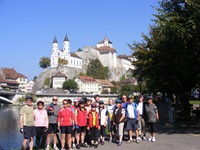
x: 27, y: 126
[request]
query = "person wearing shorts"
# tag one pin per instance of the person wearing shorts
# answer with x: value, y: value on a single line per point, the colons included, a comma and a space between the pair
x: 27, y: 126
x: 52, y: 111
x: 132, y: 115
x: 118, y: 120
x: 81, y: 123
x: 111, y: 128
x: 65, y: 122
x: 151, y: 116
x: 140, y: 107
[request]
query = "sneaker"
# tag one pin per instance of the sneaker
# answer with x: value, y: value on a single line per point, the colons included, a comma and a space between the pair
x: 114, y: 140
x: 144, y: 138
x: 139, y: 138
x: 137, y: 141
x: 55, y: 148
x: 91, y: 145
x: 153, y: 139
x: 48, y: 148
x: 83, y: 145
x: 77, y: 146
x: 129, y: 141
x: 149, y: 139
x: 74, y: 145
x: 63, y: 149
x: 102, y: 143
x: 110, y: 141
x: 119, y: 144
x: 70, y: 148
x: 95, y: 145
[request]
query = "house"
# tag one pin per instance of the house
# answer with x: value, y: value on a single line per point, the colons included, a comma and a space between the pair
x: 130, y: 81
x: 14, y: 80
x: 29, y: 86
x: 57, y: 80
x: 87, y: 84
x: 104, y: 85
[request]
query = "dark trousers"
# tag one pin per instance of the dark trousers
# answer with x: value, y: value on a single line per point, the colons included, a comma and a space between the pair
x: 41, y: 136
x: 94, y: 134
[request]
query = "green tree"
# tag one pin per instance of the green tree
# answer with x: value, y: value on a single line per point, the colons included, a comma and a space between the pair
x: 127, y: 89
x: 70, y: 85
x: 47, y: 82
x: 97, y: 70
x: 168, y: 58
x: 115, y: 89
x: 44, y: 62
x: 62, y: 61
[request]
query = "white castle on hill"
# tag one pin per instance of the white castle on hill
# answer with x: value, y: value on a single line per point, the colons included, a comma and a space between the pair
x: 104, y: 51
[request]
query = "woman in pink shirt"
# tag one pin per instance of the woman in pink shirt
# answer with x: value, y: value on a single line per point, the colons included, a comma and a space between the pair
x: 41, y: 125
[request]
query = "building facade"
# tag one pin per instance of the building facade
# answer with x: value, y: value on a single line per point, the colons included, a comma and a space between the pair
x: 73, y: 60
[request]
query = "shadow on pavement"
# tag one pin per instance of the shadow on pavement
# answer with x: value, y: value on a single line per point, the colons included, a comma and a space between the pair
x: 180, y: 126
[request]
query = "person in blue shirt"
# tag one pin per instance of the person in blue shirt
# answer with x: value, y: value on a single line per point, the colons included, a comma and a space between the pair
x: 132, y: 115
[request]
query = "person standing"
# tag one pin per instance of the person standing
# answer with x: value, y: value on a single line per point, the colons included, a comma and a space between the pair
x: 93, y: 125
x: 27, y: 126
x: 41, y: 125
x: 52, y: 111
x: 110, y: 108
x: 66, y: 122
x: 118, y: 120
x: 151, y: 116
x: 81, y: 124
x: 140, y: 107
x: 103, y: 113
x: 96, y: 99
x: 132, y: 116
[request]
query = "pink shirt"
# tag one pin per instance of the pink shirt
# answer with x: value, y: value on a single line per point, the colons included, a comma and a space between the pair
x: 40, y: 118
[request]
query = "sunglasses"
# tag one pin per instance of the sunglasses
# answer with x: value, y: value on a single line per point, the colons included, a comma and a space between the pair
x: 54, y: 99
x: 65, y: 103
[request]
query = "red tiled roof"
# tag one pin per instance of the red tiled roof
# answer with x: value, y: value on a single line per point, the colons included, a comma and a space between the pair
x: 2, y: 80
x: 104, y: 40
x: 106, y: 49
x: 59, y: 74
x: 11, y: 73
x: 104, y: 83
x: 21, y: 76
x: 87, y: 79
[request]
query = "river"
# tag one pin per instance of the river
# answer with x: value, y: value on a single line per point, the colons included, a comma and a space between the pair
x: 10, y: 137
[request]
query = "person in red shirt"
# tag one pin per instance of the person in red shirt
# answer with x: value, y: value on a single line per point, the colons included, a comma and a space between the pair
x: 80, y: 124
x: 93, y: 125
x: 65, y: 122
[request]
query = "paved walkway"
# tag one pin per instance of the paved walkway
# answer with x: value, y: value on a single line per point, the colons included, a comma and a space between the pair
x: 174, y: 136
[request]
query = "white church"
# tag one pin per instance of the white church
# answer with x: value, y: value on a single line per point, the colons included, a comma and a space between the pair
x: 73, y: 60
x: 103, y: 50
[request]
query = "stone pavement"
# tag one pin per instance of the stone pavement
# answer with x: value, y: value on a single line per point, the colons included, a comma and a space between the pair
x: 183, y: 136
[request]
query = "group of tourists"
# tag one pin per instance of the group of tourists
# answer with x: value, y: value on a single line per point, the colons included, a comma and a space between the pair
x: 83, y: 123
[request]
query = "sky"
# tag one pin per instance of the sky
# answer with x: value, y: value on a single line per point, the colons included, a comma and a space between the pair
x: 28, y: 27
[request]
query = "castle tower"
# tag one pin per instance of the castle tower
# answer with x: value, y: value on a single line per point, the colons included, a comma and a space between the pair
x: 54, y: 54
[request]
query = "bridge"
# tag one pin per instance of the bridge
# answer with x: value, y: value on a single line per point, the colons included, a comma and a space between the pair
x: 6, y: 97
x: 5, y: 100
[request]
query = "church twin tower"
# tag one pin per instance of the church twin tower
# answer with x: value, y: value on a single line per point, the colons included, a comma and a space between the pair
x: 64, y: 54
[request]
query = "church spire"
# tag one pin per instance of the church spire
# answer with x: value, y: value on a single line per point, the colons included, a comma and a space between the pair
x: 55, y: 40
x: 66, y: 38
